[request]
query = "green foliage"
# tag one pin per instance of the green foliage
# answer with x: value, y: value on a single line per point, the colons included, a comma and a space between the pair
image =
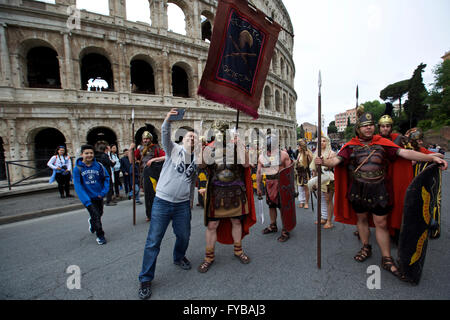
x: 300, y: 132
x: 395, y: 91
x: 438, y: 114
x: 415, y: 106
x: 376, y: 108
x: 332, y: 128
x: 349, y: 132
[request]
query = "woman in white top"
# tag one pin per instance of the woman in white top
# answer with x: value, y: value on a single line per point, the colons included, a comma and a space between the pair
x: 115, y: 169
x: 62, y: 167
x: 327, y: 179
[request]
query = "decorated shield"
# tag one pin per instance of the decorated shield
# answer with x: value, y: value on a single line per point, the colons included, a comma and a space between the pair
x: 287, y: 197
x: 419, y: 213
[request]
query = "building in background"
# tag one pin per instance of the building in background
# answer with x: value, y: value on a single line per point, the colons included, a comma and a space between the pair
x: 70, y: 77
x: 341, y: 119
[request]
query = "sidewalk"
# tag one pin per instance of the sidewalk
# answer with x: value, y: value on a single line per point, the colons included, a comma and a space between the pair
x: 35, y: 199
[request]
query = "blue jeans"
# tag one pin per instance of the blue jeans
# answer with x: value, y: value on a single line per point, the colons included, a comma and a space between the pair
x: 162, y: 212
x: 136, y: 192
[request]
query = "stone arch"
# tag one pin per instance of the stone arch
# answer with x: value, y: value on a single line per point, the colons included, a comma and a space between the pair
x: 42, y: 142
x: 274, y: 63
x: 285, y: 104
x: 150, y: 128
x: 181, y: 80
x: 206, y: 25
x: 101, y: 134
x: 188, y: 15
x: 277, y: 101
x: 95, y: 62
x: 282, y: 68
x: 267, y: 98
x: 23, y: 51
x: 142, y: 74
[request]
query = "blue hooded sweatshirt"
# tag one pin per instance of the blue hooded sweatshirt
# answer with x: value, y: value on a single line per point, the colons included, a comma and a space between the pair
x: 90, y: 182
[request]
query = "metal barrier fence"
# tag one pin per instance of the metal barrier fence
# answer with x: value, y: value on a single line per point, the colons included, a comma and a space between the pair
x: 19, y: 164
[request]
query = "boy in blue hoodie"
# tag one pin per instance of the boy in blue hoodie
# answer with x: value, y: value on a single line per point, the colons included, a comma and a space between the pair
x: 91, y: 182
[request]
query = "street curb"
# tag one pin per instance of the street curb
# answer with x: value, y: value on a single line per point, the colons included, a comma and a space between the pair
x: 39, y: 213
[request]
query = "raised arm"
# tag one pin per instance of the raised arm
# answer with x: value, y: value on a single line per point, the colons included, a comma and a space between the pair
x: 418, y: 156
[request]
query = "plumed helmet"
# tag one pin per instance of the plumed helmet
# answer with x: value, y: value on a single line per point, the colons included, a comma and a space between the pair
x: 385, y: 120
x: 147, y: 134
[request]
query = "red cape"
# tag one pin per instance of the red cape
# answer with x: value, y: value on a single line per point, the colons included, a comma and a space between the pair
x: 224, y: 229
x: 400, y: 174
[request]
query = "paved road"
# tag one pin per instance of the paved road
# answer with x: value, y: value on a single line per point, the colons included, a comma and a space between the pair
x: 35, y: 255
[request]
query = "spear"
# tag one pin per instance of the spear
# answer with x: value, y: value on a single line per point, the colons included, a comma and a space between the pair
x: 133, y: 164
x: 319, y: 175
x: 357, y: 95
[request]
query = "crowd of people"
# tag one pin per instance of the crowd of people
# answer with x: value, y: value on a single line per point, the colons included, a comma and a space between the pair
x: 359, y: 178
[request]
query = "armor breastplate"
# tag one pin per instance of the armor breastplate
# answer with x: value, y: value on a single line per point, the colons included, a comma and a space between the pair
x: 228, y: 186
x: 149, y: 154
x: 368, y: 163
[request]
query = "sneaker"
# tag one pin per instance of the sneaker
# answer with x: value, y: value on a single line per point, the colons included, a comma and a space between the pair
x: 138, y: 202
x: 101, y: 240
x: 91, y: 229
x: 145, y: 290
x: 184, y: 263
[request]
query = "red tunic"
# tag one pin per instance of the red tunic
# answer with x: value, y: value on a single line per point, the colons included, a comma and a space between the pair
x: 399, y: 174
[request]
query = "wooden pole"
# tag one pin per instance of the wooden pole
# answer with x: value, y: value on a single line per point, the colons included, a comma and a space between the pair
x: 319, y: 176
x: 133, y: 164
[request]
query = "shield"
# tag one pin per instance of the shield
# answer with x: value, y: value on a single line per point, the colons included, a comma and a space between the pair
x: 287, y: 197
x: 419, y: 212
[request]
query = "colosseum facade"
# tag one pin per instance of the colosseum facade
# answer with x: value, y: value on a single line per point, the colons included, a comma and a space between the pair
x: 46, y: 62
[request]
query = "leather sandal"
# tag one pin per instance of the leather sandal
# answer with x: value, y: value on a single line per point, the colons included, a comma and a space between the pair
x: 284, y: 236
x: 243, y: 258
x: 270, y: 229
x: 387, y: 263
x: 204, y: 267
x: 364, y: 253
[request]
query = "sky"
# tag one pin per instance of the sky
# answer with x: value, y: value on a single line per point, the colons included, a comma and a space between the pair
x: 369, y: 43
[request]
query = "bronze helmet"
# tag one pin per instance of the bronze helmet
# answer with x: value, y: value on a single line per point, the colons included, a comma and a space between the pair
x: 363, y: 118
x: 147, y: 134
x: 386, y: 119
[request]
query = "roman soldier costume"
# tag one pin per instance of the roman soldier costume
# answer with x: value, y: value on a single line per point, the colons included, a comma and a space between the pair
x: 229, y: 195
x: 364, y: 181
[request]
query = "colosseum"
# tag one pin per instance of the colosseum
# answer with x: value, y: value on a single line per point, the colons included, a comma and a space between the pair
x: 48, y: 63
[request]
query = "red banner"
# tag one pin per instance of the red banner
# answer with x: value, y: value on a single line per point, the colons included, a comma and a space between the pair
x: 239, y: 56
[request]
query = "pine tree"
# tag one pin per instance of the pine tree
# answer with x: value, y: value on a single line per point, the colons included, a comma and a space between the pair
x: 415, y: 107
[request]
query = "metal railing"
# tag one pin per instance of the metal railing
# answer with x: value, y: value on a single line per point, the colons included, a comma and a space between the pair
x: 19, y: 164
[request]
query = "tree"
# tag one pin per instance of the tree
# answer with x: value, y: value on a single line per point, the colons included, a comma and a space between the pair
x: 439, y: 98
x: 300, y: 132
x: 376, y: 108
x: 395, y: 91
x: 415, y: 106
x: 332, y: 127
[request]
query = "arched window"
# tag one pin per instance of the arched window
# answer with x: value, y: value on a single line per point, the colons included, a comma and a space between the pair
x: 176, y: 19
x: 101, y: 135
x: 206, y: 29
x: 150, y: 128
x: 180, y: 82
x: 43, y: 68
x: 142, y: 77
x: 267, y: 98
x: 96, y: 73
x: 45, y: 143
x: 139, y: 11
x: 277, y: 101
